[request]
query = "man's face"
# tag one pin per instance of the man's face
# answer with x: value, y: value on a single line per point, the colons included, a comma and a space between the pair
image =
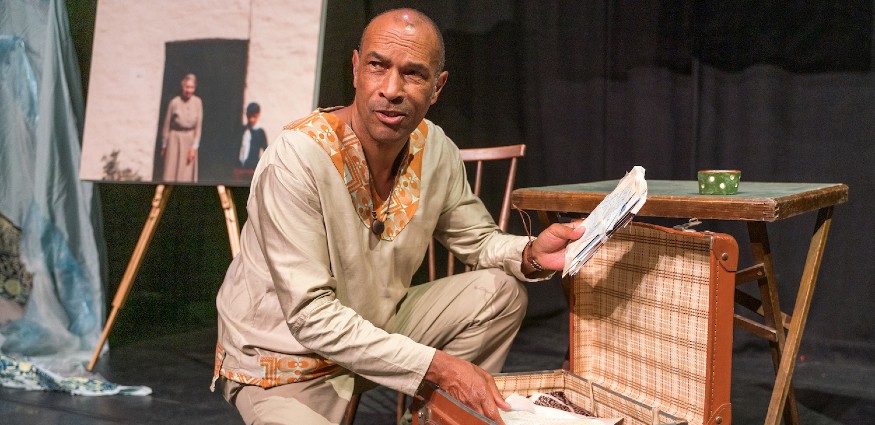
x: 396, y: 79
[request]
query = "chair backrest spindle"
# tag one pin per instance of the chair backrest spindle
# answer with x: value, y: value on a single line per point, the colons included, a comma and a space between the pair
x: 479, y: 156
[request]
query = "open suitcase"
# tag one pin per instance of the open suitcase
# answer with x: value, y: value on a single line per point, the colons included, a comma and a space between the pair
x: 651, y: 334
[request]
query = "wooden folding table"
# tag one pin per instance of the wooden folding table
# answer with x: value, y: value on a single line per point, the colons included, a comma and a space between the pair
x: 756, y: 203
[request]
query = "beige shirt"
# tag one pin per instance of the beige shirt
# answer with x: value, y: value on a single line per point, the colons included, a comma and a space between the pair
x: 311, y: 278
x: 183, y: 115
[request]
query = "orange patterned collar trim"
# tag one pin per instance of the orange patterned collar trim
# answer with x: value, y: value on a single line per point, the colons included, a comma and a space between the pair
x: 345, y: 150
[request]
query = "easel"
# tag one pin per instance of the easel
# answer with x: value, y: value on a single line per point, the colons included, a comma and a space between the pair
x: 159, y: 201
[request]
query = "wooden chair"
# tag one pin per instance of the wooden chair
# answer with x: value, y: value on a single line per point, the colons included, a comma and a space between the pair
x: 477, y: 157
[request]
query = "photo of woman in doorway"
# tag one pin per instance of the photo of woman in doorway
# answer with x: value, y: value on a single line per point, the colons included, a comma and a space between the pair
x: 181, y: 134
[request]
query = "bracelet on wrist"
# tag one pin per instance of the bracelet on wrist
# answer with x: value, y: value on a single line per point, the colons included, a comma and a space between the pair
x: 531, y: 258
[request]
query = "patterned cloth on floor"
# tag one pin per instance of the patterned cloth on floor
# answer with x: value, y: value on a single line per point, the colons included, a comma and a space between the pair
x: 26, y: 375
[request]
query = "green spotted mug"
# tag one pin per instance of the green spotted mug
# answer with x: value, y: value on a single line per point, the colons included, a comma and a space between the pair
x: 718, y: 182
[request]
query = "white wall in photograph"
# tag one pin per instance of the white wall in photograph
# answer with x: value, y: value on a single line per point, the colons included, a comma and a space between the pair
x: 242, y: 51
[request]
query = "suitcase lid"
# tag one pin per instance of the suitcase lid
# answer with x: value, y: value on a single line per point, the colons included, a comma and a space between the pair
x: 651, y: 318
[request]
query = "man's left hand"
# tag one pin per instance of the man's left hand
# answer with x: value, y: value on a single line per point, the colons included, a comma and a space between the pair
x: 548, y: 249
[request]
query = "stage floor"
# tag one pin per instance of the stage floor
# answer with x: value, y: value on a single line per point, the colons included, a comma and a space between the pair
x: 178, y: 369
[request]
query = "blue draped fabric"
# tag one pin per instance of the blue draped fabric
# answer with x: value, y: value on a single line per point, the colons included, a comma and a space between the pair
x: 41, y: 117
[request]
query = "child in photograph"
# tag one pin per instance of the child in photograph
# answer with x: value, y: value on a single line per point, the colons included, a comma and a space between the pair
x: 252, y: 143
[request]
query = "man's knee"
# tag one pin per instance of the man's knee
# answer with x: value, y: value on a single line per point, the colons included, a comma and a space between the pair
x: 511, y: 297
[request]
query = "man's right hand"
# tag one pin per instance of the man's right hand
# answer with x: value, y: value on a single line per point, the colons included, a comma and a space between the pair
x: 467, y: 383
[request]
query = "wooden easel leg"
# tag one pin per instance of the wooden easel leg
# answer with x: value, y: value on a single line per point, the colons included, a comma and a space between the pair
x: 230, y: 218
x: 800, y: 315
x: 159, y: 201
x: 771, y: 308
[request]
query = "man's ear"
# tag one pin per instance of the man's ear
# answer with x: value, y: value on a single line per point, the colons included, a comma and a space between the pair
x: 355, y: 67
x: 439, y: 85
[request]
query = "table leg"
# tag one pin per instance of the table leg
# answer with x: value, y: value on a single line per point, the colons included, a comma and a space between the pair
x: 548, y: 217
x: 800, y: 315
x: 771, y: 307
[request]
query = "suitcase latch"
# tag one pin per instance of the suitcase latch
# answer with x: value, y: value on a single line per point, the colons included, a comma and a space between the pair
x: 688, y: 226
x: 424, y: 415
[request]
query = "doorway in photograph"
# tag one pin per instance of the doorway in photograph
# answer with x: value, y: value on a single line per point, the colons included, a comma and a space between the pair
x: 220, y: 67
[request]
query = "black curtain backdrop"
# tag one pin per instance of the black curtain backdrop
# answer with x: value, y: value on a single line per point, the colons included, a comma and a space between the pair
x: 784, y: 91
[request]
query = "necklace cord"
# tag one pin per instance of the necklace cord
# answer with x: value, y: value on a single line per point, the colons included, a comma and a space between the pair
x: 377, y: 225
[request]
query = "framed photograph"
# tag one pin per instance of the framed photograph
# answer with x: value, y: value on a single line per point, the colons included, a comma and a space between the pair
x: 192, y: 91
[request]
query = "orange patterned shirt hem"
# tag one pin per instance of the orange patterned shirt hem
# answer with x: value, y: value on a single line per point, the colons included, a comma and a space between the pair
x: 276, y: 370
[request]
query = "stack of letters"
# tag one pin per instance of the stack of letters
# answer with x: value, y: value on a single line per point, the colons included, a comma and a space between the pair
x: 614, y: 212
x: 548, y: 409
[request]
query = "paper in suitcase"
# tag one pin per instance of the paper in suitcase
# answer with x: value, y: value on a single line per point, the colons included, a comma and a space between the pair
x: 651, y: 334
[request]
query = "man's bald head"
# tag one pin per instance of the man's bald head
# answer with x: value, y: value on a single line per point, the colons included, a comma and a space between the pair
x: 397, y: 74
x: 412, y: 20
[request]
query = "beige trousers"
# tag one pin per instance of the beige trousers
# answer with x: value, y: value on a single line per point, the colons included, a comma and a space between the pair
x: 474, y: 316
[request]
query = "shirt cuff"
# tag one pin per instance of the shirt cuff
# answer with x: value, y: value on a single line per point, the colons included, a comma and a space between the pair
x: 507, y: 253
